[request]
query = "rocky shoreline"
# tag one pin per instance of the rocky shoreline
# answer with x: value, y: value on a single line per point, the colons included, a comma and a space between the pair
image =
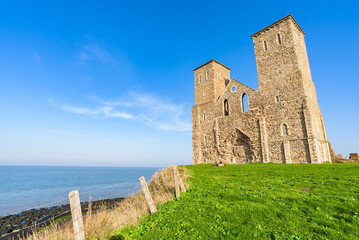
x: 11, y: 226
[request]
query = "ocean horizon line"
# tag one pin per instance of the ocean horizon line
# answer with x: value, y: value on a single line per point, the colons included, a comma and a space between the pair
x: 24, y: 165
x: 28, y: 186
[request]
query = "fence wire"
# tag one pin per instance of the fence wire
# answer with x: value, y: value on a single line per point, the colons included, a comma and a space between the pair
x: 53, y: 206
x: 92, y: 207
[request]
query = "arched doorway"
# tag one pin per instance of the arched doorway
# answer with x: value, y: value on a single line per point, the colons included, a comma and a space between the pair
x: 238, y: 145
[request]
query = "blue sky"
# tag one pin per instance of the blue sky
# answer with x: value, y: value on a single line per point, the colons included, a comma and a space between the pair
x: 110, y: 83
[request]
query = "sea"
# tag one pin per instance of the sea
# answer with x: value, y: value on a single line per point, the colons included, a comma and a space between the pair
x: 33, y: 187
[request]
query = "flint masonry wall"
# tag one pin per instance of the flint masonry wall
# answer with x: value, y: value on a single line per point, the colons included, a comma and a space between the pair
x: 283, y: 123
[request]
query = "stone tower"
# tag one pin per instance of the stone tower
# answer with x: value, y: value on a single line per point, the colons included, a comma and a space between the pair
x: 210, y: 84
x: 283, y: 122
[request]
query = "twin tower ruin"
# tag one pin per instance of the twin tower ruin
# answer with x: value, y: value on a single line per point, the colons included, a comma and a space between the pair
x: 279, y: 122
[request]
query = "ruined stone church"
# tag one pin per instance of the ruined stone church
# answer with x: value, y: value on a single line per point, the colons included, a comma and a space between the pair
x: 279, y: 122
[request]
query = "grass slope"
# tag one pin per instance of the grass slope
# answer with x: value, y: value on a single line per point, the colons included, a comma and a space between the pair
x: 260, y: 201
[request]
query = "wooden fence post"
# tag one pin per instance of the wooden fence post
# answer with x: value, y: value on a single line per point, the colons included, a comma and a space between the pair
x: 76, y: 213
x: 180, y: 181
x: 147, y: 193
x: 175, y: 179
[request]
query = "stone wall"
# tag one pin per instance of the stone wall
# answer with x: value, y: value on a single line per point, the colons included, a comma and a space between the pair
x: 283, y: 123
x: 354, y: 156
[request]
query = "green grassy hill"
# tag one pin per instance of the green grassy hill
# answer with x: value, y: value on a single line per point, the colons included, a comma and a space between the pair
x: 260, y: 201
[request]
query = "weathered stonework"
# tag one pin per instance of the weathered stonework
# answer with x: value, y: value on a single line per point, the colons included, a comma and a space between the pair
x: 354, y: 156
x: 283, y: 123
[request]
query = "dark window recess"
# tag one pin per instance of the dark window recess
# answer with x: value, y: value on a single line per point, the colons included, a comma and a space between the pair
x: 226, y: 108
x: 284, y: 130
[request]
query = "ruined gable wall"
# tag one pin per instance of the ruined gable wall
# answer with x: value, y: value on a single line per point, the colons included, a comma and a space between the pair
x: 246, y: 122
x: 217, y: 129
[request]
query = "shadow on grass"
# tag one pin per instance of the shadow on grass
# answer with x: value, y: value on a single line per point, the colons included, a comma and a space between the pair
x: 117, y: 237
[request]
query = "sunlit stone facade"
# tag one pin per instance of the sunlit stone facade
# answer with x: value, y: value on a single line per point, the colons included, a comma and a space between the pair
x: 283, y: 122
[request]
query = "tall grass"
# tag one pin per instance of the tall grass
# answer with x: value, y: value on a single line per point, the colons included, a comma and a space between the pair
x: 103, y: 223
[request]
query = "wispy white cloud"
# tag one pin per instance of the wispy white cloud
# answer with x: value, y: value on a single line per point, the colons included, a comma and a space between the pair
x: 145, y: 108
x: 104, y: 111
x: 157, y: 112
x: 94, y: 52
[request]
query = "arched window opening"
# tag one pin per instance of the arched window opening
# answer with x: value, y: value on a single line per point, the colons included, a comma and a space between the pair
x: 205, y: 139
x: 200, y: 78
x: 203, y: 117
x: 265, y: 45
x: 279, y: 41
x: 284, y: 129
x: 207, y: 75
x: 226, y: 108
x: 244, y: 102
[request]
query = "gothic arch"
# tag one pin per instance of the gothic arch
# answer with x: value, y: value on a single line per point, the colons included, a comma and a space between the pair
x: 239, y: 148
x: 226, y: 107
x: 245, y: 105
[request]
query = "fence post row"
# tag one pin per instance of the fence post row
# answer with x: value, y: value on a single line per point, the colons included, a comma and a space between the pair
x: 148, y: 197
x: 75, y: 204
x: 175, y: 179
x: 76, y: 213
